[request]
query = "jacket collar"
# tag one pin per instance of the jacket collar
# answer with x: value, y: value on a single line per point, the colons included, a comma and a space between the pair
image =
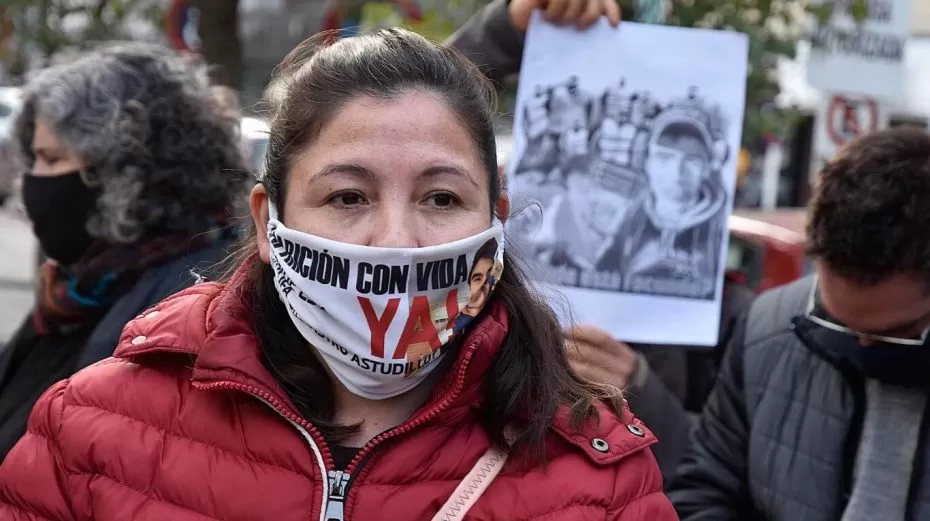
x: 211, y: 323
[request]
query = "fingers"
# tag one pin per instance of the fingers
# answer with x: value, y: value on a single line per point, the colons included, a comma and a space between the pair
x: 612, y: 11
x: 555, y: 11
x: 574, y: 10
x: 584, y: 372
x: 521, y: 10
x: 590, y: 335
x: 596, y: 370
x: 582, y: 13
x: 593, y: 10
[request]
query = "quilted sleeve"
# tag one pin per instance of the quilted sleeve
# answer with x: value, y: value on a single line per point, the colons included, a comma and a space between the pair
x: 491, y: 42
x: 33, y: 486
x: 662, y: 412
x: 638, y: 494
x: 651, y: 507
x: 711, y: 481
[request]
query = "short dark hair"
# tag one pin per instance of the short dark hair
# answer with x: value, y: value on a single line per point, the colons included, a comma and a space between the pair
x: 487, y: 250
x: 869, y: 218
x: 674, y: 133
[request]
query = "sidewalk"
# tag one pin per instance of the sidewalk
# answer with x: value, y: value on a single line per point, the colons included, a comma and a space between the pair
x: 17, y: 271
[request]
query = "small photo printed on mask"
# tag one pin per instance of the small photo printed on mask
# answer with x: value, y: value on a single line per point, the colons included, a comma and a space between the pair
x: 486, y: 269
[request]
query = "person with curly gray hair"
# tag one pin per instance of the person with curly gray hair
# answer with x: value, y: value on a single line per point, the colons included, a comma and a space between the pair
x: 134, y: 171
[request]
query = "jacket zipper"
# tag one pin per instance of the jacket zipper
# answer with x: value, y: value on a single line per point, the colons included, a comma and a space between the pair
x: 331, y: 508
x: 338, y: 486
x: 355, y: 466
x: 336, y: 493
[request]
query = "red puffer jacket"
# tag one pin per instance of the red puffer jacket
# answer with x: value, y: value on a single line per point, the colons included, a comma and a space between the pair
x: 185, y: 424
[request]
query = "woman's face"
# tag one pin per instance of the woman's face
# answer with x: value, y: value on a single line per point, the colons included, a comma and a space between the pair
x: 401, y: 173
x: 52, y: 159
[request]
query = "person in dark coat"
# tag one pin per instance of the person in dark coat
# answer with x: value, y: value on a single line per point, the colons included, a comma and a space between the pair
x: 134, y: 174
x: 666, y: 385
x: 820, y: 411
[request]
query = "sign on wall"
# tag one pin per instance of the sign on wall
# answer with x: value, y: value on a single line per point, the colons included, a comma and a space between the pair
x: 842, y: 119
x: 861, y: 57
x: 182, y: 26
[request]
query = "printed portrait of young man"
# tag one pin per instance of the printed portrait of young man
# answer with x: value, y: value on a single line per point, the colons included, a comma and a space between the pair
x: 484, y: 273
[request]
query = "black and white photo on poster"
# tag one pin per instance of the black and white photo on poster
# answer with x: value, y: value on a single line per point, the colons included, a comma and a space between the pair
x: 625, y: 164
x: 636, y: 202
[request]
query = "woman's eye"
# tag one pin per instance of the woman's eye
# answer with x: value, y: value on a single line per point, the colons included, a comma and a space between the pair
x: 442, y: 200
x: 347, y: 199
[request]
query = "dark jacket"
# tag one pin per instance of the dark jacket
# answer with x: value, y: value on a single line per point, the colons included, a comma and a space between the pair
x: 679, y: 380
x: 675, y: 377
x: 778, y: 437
x: 490, y: 41
x: 30, y: 364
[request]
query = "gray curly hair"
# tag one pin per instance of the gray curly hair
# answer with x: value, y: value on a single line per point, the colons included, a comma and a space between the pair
x: 162, y: 143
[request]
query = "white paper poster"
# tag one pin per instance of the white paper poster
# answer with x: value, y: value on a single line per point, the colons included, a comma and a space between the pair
x: 839, y: 120
x: 861, y: 57
x: 626, y: 143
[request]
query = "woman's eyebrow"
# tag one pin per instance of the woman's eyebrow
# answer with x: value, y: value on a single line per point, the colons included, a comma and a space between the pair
x: 448, y: 170
x: 348, y: 169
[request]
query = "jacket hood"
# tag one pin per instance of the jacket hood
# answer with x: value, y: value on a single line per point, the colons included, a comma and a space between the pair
x: 209, y: 326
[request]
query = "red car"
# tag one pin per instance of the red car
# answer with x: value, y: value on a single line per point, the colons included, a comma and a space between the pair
x: 767, y: 248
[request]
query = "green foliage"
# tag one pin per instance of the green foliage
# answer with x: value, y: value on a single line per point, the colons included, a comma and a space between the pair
x: 45, y: 27
x: 773, y: 27
x: 440, y: 17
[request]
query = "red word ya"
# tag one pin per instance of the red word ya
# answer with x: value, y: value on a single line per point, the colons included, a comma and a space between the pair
x: 419, y: 328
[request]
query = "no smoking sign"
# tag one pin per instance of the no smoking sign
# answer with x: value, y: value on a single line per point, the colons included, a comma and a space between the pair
x: 842, y: 119
x: 849, y: 118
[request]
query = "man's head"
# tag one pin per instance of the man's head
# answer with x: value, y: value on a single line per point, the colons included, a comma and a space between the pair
x: 479, y: 279
x: 869, y: 233
x: 678, y: 163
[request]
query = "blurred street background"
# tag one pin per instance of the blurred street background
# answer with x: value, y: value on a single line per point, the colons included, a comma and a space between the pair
x: 17, y: 270
x: 786, y: 109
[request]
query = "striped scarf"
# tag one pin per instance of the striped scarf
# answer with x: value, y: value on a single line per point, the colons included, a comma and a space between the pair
x: 75, y: 296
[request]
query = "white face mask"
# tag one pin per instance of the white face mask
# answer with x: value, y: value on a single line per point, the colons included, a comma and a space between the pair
x: 381, y: 318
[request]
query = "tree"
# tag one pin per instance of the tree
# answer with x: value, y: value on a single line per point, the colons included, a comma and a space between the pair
x: 440, y: 18
x: 42, y: 28
x: 220, y: 42
x: 774, y: 27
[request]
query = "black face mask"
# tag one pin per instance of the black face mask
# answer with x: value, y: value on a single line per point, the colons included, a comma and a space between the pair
x: 894, y: 364
x: 59, y: 207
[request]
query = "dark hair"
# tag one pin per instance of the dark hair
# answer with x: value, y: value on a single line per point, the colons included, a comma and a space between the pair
x: 487, y: 250
x: 675, y: 133
x: 868, y: 218
x: 160, y: 140
x: 531, y: 377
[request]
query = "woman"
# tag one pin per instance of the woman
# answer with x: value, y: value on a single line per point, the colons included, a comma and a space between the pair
x: 319, y: 382
x: 134, y: 168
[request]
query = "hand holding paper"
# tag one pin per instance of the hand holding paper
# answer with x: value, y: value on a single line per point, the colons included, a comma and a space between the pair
x: 582, y: 13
